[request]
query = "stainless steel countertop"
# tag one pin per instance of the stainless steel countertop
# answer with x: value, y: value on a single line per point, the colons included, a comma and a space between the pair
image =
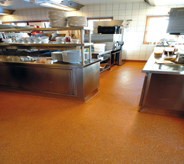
x: 101, y: 53
x: 51, y: 63
x: 152, y: 67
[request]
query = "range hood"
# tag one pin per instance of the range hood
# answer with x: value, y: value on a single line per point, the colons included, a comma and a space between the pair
x: 150, y: 2
x: 57, y: 4
x: 6, y: 11
x: 176, y: 21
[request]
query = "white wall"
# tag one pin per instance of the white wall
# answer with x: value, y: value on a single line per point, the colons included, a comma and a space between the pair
x: 133, y: 37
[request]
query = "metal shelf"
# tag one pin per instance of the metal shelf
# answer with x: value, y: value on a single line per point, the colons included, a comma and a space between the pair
x: 105, y: 69
x: 105, y: 59
x: 68, y: 46
x: 45, y: 29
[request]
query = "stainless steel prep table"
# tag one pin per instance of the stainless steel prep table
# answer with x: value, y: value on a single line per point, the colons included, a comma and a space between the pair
x: 163, y: 88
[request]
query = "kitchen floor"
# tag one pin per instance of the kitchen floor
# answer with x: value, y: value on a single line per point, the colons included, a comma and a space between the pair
x: 108, y: 129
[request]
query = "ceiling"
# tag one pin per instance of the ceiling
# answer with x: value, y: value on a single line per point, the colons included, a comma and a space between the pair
x: 19, y: 4
x: 88, y: 2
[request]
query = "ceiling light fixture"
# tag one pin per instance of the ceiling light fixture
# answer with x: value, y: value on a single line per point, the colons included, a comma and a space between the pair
x: 58, y: 4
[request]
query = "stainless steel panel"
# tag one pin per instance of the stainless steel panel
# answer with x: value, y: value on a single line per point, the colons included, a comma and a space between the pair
x: 107, y: 23
x: 79, y: 82
x: 99, y: 38
x: 165, y: 92
x: 3, y: 75
x: 42, y: 79
x: 91, y: 78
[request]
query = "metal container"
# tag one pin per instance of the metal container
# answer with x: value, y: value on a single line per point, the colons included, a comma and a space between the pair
x: 180, y: 58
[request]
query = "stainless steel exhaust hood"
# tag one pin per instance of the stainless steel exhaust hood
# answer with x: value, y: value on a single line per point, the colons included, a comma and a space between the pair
x: 58, y: 4
x: 150, y: 2
x: 6, y: 11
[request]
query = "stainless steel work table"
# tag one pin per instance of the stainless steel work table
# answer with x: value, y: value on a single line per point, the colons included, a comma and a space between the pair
x: 163, y: 88
x: 67, y: 80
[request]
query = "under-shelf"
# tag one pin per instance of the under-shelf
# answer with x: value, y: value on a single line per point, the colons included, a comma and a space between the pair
x: 69, y: 46
x: 105, y: 59
x: 105, y: 69
x: 45, y: 29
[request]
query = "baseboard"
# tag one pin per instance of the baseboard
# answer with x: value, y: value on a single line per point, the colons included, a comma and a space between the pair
x: 166, y: 112
x: 134, y: 61
x: 49, y: 94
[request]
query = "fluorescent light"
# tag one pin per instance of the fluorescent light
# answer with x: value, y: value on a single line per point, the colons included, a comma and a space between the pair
x: 168, y: 2
x: 61, y: 7
x: 4, y: 14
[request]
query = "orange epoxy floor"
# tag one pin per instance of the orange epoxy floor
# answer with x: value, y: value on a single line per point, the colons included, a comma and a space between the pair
x: 108, y: 129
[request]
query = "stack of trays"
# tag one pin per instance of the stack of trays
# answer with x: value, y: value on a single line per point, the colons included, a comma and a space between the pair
x: 77, y: 21
x: 57, y: 18
x: 72, y: 56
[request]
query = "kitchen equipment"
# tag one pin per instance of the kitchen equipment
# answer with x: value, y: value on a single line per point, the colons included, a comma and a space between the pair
x: 114, y: 44
x: 45, y: 39
x: 29, y: 40
x: 6, y: 26
x: 75, y: 41
x: 158, y: 51
x: 60, y: 39
x: 179, y: 58
x: 168, y: 51
x: 33, y: 40
x: 109, y: 29
x: 77, y: 21
x: 20, y: 40
x: 176, y: 21
x: 99, y: 47
x: 57, y: 18
x: 8, y: 40
x: 72, y: 56
x: 67, y: 39
x: 2, y: 35
x: 57, y: 56
x: 107, y: 26
x: 60, y: 22
x: 53, y: 38
x: 57, y: 14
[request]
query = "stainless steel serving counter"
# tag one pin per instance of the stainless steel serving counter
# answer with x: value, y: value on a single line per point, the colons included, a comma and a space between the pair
x: 69, y: 80
x: 163, y: 87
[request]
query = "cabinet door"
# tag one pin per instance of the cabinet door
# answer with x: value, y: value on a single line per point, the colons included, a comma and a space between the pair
x: 45, y: 79
x: 59, y: 80
x: 3, y: 75
x: 8, y: 76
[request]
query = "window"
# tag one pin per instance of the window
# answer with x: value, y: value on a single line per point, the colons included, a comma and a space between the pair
x: 156, y: 28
